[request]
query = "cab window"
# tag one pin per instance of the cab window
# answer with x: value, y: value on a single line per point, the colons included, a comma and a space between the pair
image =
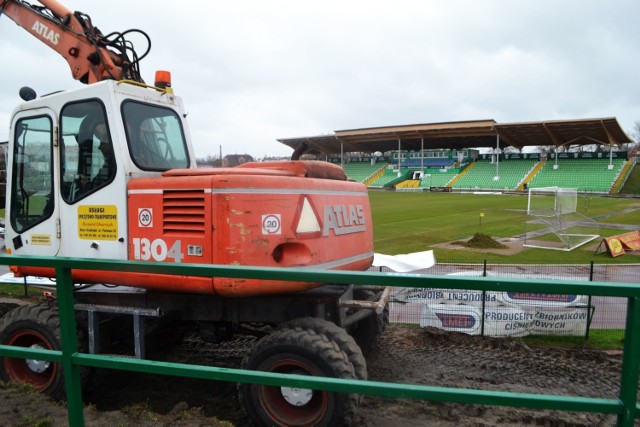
x: 88, y: 161
x: 155, y: 137
x: 32, y: 198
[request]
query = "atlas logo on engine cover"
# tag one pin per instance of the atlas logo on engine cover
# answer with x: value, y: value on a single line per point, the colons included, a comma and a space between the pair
x: 343, y: 219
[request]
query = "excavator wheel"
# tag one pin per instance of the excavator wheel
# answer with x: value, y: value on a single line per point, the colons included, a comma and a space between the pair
x: 336, y: 334
x: 303, y: 352
x: 38, y: 327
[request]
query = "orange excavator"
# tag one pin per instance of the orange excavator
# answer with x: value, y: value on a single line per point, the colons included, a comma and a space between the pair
x: 108, y: 171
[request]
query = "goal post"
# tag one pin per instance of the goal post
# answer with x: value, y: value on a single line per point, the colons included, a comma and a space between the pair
x: 563, y: 228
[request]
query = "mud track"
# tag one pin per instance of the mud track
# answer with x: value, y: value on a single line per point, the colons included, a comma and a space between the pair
x: 404, y: 355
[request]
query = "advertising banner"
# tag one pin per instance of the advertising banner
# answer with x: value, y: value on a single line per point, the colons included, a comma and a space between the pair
x: 615, y: 246
x: 541, y: 300
x: 492, y: 313
x: 448, y: 296
x: 419, y: 295
x: 630, y: 241
x: 567, y: 321
x: 498, y: 313
x: 471, y: 297
x: 505, y: 320
x: 618, y: 245
x: 450, y: 317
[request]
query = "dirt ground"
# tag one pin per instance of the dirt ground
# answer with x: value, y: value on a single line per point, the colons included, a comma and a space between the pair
x: 404, y: 355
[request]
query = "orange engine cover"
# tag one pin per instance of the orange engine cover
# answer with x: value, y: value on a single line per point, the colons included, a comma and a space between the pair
x: 283, y: 214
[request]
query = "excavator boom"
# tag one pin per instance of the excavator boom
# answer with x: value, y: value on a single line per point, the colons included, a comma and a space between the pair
x: 91, y: 56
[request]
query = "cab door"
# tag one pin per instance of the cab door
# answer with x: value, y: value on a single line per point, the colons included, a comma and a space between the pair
x: 92, y: 198
x: 33, y: 213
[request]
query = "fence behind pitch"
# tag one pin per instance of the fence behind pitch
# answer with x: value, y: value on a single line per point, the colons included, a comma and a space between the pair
x: 507, y: 313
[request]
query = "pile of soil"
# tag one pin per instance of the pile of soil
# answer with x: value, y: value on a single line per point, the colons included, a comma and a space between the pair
x: 482, y: 241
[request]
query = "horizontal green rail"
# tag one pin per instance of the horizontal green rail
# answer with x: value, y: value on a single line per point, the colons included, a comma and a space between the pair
x: 373, y: 388
x: 612, y: 289
x: 625, y: 407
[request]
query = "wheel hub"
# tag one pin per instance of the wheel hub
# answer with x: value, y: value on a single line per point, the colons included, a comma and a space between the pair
x: 296, y: 396
x: 37, y: 366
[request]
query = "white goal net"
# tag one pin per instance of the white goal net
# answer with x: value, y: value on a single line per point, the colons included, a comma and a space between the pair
x: 552, y: 220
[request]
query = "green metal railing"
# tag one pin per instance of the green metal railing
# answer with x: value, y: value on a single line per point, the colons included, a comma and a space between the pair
x: 625, y: 407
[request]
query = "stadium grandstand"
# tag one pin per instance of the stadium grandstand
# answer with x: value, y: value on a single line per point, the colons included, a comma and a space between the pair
x: 589, y: 155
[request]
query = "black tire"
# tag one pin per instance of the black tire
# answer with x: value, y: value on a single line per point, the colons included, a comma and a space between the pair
x: 367, y: 332
x: 35, y: 326
x: 6, y: 307
x: 336, y: 334
x: 302, y: 352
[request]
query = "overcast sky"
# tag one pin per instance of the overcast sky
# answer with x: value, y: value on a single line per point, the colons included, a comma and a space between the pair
x: 250, y: 72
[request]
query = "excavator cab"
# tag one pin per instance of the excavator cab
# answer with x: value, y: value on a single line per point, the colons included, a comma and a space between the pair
x: 75, y: 152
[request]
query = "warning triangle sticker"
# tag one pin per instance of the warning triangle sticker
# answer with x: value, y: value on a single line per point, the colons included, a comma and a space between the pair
x: 308, y: 222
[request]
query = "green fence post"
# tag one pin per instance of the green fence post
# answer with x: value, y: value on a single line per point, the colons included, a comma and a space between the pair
x: 630, y: 363
x: 589, y: 301
x: 73, y: 387
x: 484, y: 298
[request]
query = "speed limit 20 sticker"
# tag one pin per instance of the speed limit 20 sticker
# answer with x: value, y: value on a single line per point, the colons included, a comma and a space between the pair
x: 145, y: 217
x: 271, y: 224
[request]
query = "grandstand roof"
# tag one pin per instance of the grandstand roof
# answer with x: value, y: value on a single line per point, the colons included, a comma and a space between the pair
x: 466, y: 134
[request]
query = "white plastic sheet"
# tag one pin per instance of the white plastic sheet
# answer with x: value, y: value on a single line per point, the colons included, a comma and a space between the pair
x: 405, y: 263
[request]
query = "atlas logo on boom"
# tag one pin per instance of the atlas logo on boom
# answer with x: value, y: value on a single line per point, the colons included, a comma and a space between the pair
x: 44, y: 32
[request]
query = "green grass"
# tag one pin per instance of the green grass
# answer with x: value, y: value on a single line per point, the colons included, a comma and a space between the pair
x: 413, y: 222
x: 599, y: 339
x: 33, y: 294
x: 631, y: 218
x: 410, y: 222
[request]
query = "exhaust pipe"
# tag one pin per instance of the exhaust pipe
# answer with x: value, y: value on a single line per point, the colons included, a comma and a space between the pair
x: 299, y: 151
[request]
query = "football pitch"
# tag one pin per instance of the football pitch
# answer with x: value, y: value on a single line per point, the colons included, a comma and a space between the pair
x: 405, y: 222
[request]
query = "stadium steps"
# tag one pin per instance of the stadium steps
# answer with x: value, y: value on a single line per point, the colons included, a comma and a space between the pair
x: 617, y: 185
x: 377, y: 174
x: 388, y: 176
x: 461, y: 174
x: 533, y: 173
x: 360, y: 171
